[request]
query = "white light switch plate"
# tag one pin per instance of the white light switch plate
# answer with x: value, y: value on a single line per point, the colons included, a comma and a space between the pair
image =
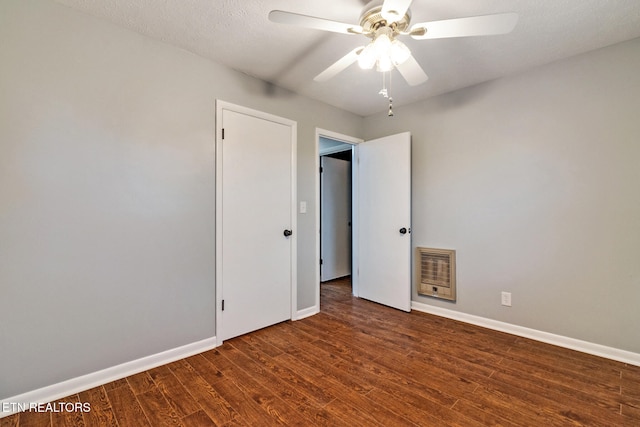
x: 506, y: 299
x: 303, y: 207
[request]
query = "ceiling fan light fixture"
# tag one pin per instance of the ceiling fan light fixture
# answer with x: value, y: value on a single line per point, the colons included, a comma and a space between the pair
x: 368, y: 57
x: 398, y: 52
x: 384, y: 51
x: 382, y: 44
x: 384, y: 64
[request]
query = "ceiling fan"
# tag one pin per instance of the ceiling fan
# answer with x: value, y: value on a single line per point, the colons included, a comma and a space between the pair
x: 384, y: 21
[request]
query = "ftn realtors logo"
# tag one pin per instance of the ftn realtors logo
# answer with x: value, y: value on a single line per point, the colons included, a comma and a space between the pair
x: 13, y: 407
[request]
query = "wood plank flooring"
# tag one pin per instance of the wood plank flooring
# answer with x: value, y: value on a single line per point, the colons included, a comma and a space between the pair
x: 358, y: 363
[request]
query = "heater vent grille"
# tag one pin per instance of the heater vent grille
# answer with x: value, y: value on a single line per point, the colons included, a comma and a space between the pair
x: 437, y: 273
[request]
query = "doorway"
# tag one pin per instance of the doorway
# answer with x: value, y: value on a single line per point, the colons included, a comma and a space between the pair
x: 332, y: 144
x: 381, y: 218
x: 335, y: 209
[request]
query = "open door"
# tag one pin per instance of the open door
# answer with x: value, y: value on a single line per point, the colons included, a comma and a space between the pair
x: 384, y: 221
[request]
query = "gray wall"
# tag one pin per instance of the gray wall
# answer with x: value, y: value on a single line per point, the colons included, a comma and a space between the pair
x: 107, y: 192
x: 534, y: 180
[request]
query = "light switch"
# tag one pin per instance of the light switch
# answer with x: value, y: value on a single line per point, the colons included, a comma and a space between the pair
x: 303, y: 207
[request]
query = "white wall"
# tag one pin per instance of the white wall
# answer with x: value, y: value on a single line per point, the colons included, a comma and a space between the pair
x: 107, y: 192
x: 534, y: 180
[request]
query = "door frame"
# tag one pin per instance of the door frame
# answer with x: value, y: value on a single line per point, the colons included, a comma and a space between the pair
x: 220, y: 106
x: 354, y: 203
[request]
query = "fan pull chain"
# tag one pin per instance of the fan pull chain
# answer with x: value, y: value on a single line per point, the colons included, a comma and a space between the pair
x: 390, y: 114
x: 383, y: 91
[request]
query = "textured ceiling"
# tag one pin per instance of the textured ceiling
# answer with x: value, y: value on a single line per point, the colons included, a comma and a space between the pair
x: 238, y: 34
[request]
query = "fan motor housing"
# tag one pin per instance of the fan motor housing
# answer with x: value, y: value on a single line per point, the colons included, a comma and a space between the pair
x: 371, y: 19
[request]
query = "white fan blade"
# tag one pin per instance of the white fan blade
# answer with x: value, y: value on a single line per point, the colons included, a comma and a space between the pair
x: 291, y: 18
x: 501, y: 23
x: 339, y: 65
x: 394, y: 10
x: 412, y: 72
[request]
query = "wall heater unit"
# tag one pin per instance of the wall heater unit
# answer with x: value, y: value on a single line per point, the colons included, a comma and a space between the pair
x: 437, y: 273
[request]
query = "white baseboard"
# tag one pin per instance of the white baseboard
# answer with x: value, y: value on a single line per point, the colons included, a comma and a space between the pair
x: 94, y: 379
x: 546, y: 337
x: 307, y: 312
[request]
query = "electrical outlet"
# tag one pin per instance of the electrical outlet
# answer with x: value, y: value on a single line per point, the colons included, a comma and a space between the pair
x: 506, y: 299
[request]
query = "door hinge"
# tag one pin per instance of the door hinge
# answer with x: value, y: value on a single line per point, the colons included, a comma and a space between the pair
x: 222, y: 305
x: 321, y: 169
x: 321, y: 261
x: 222, y: 133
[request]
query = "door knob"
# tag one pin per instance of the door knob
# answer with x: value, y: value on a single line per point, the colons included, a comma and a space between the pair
x: 403, y: 230
x: 287, y: 233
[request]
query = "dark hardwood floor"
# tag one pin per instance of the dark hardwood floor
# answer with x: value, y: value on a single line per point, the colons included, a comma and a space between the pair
x: 358, y: 363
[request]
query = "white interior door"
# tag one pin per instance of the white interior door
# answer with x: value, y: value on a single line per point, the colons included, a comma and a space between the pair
x: 335, y: 201
x: 255, y: 205
x: 384, y: 221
